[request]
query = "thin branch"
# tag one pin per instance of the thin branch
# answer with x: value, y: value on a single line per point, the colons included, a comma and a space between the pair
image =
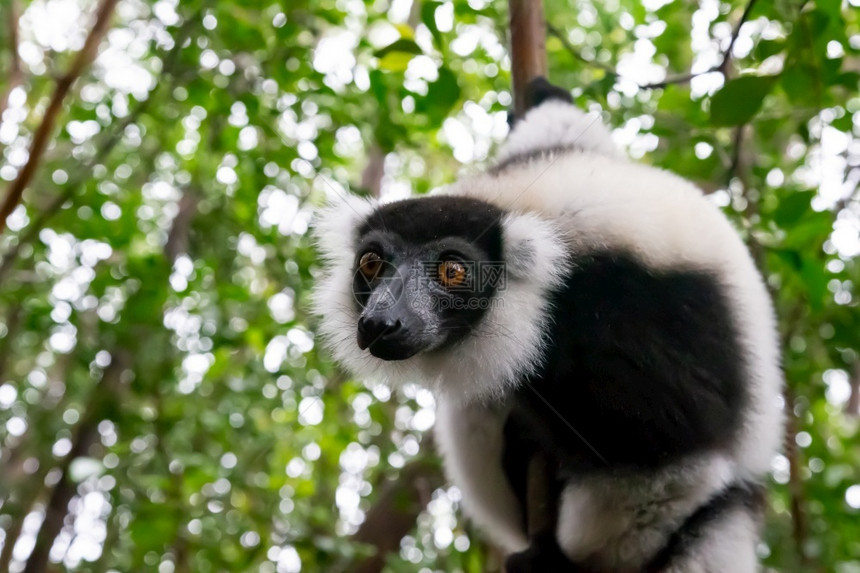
x: 562, y: 37
x: 684, y: 78
x: 45, y: 214
x: 16, y: 75
x: 852, y: 407
x: 735, y: 168
x: 102, y: 399
x: 393, y: 514
x: 799, y: 526
x: 678, y: 80
x: 43, y: 134
x: 727, y: 55
x: 374, y: 171
x: 179, y: 236
x: 104, y: 149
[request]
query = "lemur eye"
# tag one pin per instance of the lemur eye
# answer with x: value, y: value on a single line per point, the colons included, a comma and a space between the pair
x: 452, y: 273
x: 370, y: 264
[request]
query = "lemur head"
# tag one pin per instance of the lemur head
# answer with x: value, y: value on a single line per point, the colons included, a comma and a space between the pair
x: 424, y: 274
x: 446, y: 290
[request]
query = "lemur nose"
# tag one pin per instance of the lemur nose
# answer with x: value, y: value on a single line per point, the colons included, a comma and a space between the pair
x: 374, y: 328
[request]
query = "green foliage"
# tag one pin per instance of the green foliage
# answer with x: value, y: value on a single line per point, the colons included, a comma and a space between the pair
x: 739, y: 100
x: 155, y: 341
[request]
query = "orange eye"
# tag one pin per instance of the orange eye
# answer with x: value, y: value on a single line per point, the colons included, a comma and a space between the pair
x: 452, y: 273
x: 370, y: 264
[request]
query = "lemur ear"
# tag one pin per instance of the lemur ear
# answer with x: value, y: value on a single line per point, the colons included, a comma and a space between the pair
x: 533, y: 249
x: 335, y: 225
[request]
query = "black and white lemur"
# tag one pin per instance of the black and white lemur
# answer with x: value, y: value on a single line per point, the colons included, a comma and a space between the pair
x: 570, y: 302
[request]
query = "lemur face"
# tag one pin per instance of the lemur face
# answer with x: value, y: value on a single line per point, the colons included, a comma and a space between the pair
x: 431, y: 289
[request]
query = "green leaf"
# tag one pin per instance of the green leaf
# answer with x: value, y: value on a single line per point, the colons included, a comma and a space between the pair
x: 378, y: 87
x: 740, y: 99
x: 815, y: 280
x: 441, y: 96
x: 811, y: 230
x: 767, y: 48
x: 792, y: 208
x: 396, y: 56
x: 395, y: 61
x: 402, y: 45
x: 830, y: 7
x: 428, y: 18
x: 800, y: 83
x: 849, y: 80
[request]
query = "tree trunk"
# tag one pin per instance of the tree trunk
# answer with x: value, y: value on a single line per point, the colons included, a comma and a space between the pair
x: 393, y: 515
x: 528, y: 48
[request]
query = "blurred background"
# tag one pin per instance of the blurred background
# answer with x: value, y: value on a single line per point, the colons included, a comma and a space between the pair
x: 163, y: 403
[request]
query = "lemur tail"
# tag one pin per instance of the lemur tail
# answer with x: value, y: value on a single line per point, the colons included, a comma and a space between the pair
x: 554, y: 125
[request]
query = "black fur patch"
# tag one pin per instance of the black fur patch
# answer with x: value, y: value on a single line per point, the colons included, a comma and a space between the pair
x: 516, y: 457
x: 643, y: 368
x: 542, y: 154
x: 746, y: 495
x: 427, y: 219
x: 538, y: 91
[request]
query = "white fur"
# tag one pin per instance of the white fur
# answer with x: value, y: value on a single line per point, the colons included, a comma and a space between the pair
x: 729, y: 547
x: 556, y: 124
x: 623, y: 521
x: 470, y: 438
x: 586, y: 201
x: 335, y: 227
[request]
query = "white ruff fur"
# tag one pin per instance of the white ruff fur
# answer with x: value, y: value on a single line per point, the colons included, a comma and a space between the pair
x: 589, y: 200
x: 729, y: 547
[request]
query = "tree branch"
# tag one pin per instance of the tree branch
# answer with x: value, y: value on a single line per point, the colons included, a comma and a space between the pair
x: 393, y: 515
x: 13, y: 323
x: 374, y: 171
x: 573, y: 51
x: 740, y: 169
x: 16, y: 75
x: 727, y: 54
x: 46, y: 129
x: 795, y: 480
x: 179, y: 236
x: 103, y: 396
x: 528, y: 47
x: 852, y: 407
x: 683, y: 78
x: 71, y: 187
x: 104, y: 149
